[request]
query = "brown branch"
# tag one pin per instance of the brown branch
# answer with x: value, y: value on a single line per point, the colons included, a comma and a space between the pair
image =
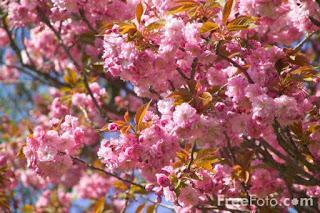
x: 234, y: 63
x: 84, y: 18
x: 32, y: 70
x: 67, y: 51
x: 193, y: 149
x: 182, y: 74
x: 107, y: 173
x: 47, y: 22
x: 300, y: 45
x: 86, y: 84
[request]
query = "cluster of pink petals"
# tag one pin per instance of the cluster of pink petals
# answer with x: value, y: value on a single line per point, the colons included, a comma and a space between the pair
x: 154, y: 149
x: 92, y: 186
x: 163, y: 60
x: 47, y: 147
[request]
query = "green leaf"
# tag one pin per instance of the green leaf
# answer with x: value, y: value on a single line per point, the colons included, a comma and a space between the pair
x: 208, y: 27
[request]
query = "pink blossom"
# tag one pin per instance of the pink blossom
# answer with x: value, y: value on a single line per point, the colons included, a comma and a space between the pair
x: 92, y: 186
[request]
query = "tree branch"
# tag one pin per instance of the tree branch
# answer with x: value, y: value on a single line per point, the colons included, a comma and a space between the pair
x: 107, y: 173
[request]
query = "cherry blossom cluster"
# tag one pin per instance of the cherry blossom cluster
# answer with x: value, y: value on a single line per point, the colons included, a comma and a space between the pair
x: 183, y: 101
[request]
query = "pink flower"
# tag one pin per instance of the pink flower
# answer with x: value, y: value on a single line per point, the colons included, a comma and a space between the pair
x: 286, y: 109
x: 92, y: 186
x: 4, y: 39
x: 113, y: 127
x: 163, y: 180
x: 184, y: 115
x: 188, y: 196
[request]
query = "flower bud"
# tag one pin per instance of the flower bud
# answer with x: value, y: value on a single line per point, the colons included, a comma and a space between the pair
x: 163, y: 180
x: 113, y: 127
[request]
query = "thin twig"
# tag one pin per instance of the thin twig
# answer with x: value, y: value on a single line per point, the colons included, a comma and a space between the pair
x: 107, y: 173
x: 47, y: 22
x: 193, y: 149
x: 182, y: 74
x: 84, y: 18
x: 234, y: 63
x: 194, y: 67
x: 299, y: 46
x: 242, y: 69
x: 31, y: 69
x: 86, y: 84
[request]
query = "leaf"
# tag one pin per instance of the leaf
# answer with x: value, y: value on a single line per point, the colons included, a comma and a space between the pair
x: 140, y: 208
x: 70, y: 77
x: 137, y: 190
x: 300, y: 59
x: 126, y: 117
x: 151, y: 209
x: 181, y: 96
x: 240, y: 174
x: 127, y: 28
x: 206, y: 164
x: 20, y: 153
x: 105, y: 128
x: 240, y: 23
x: 104, y: 26
x: 4, y: 202
x: 139, y: 12
x: 206, y: 158
x: 226, y: 11
x: 300, y: 134
x: 183, y: 6
x: 208, y: 27
x: 54, y: 199
x: 120, y: 185
x: 125, y: 129
x: 155, y: 25
x: 206, y: 98
x: 204, y: 153
x: 88, y: 38
x: 304, y: 73
x: 141, y: 112
x: 98, y: 206
x: 213, y: 4
x: 183, y: 155
x: 27, y: 209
